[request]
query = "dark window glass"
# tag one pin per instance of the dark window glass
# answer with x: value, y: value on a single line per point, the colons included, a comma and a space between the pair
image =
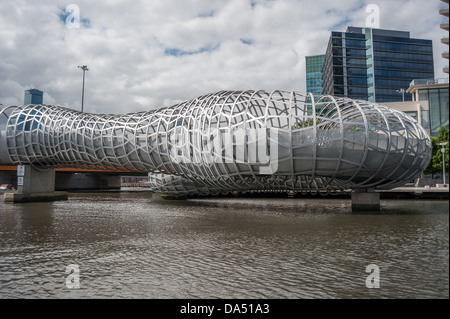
x: 403, y: 74
x: 356, y: 90
x: 381, y: 38
x: 355, y: 44
x: 355, y: 35
x: 336, y: 42
x: 337, y: 51
x: 354, y: 61
x: 399, y: 65
x: 356, y: 52
x: 339, y: 80
x: 339, y: 90
x: 357, y: 81
x: 401, y: 47
x: 356, y: 71
x: 338, y: 70
x: 338, y: 61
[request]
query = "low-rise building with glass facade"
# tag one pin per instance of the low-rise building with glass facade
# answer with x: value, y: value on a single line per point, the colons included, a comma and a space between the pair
x: 436, y: 93
x: 429, y: 106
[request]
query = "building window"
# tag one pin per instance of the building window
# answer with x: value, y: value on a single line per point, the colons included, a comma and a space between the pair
x: 411, y: 114
x: 425, y: 117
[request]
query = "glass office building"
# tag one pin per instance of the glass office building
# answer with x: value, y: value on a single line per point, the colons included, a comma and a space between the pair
x: 314, y: 74
x: 374, y: 64
x: 33, y: 96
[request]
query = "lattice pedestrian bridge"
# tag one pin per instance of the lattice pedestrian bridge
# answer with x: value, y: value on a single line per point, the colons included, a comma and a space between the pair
x: 229, y: 141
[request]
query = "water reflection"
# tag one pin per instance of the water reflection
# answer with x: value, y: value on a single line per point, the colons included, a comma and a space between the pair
x: 133, y: 245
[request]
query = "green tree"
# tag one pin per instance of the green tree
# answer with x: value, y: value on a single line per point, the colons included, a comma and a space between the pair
x: 435, y: 166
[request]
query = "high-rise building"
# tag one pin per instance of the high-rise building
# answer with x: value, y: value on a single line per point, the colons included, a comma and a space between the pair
x: 33, y: 96
x: 444, y: 26
x: 375, y: 64
x: 314, y: 74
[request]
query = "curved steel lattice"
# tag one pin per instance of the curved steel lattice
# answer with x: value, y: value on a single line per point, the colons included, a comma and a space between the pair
x: 229, y: 141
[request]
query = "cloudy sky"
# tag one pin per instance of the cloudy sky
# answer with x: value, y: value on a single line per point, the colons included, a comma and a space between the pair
x: 143, y: 55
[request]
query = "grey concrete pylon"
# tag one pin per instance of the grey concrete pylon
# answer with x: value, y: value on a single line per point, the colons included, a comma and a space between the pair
x: 35, y: 186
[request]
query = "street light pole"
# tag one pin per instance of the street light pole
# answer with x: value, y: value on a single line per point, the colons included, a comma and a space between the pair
x: 402, y: 91
x: 443, y: 159
x: 84, y: 68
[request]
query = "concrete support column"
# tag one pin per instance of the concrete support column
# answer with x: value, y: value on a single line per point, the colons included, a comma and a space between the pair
x: 365, y: 200
x: 37, y: 181
x: 35, y: 185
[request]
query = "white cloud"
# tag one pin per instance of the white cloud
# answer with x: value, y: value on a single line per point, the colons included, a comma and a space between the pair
x: 125, y: 46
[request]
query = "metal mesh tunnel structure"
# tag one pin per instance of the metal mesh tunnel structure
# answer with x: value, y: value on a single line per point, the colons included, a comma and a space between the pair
x: 229, y: 141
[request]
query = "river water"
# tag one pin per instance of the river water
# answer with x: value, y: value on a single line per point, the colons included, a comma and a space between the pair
x: 134, y: 245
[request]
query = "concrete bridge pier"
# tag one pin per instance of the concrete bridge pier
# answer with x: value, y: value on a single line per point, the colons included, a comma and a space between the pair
x: 35, y: 185
x: 365, y: 200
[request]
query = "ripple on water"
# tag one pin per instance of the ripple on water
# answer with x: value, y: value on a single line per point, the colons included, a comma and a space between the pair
x: 131, y: 246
